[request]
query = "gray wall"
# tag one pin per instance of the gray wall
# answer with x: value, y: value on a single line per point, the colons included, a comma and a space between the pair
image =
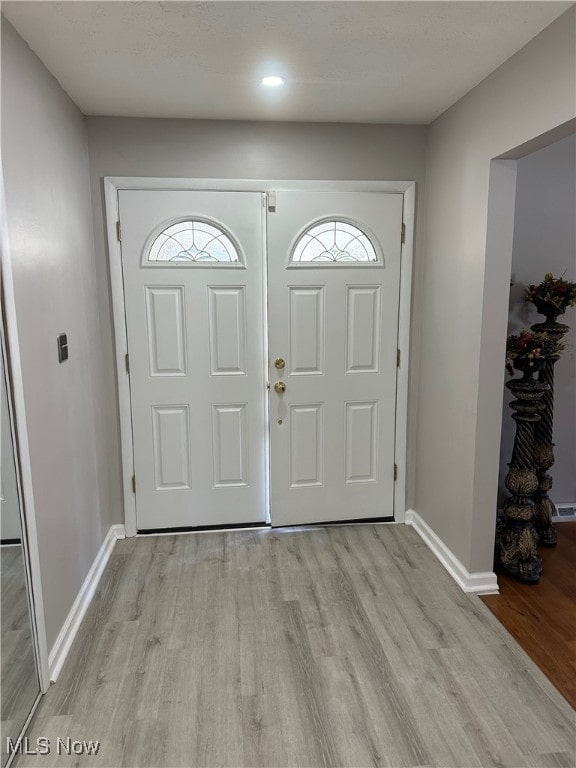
x: 465, y: 301
x: 545, y: 241
x: 212, y: 149
x: 45, y: 167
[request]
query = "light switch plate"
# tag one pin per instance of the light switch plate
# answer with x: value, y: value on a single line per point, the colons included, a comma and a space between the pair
x: 62, y: 347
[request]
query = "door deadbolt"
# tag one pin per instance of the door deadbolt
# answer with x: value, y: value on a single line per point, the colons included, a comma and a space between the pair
x: 279, y: 363
x: 279, y: 387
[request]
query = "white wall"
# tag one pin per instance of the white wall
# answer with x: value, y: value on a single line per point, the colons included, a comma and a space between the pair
x: 45, y: 168
x: 465, y: 296
x: 545, y: 241
x: 212, y: 149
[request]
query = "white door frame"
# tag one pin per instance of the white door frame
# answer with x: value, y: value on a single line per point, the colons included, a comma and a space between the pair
x: 112, y: 185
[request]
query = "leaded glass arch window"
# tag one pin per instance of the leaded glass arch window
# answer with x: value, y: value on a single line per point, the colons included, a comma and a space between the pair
x: 334, y: 241
x: 194, y: 241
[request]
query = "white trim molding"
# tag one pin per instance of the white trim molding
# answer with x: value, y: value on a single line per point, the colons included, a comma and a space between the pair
x: 61, y: 648
x: 481, y: 583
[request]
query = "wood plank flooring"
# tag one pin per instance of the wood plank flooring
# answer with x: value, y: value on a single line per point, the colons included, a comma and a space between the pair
x: 339, y: 646
x: 20, y: 685
x: 542, y: 617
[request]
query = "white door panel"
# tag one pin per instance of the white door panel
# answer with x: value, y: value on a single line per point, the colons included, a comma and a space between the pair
x: 195, y: 331
x: 197, y: 372
x: 336, y: 325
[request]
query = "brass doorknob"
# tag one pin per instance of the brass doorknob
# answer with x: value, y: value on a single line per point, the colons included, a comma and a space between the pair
x: 279, y: 363
x: 280, y: 387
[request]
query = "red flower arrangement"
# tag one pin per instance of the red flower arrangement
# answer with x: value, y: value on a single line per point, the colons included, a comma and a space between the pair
x: 530, y: 347
x: 554, y: 292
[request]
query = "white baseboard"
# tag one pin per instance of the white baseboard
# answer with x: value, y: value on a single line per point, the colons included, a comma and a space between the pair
x: 61, y: 648
x: 482, y: 583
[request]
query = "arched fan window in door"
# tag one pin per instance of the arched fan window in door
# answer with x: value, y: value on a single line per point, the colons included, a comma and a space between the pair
x: 194, y: 241
x: 333, y: 241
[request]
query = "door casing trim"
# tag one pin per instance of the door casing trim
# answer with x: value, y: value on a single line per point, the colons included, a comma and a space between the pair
x: 113, y: 184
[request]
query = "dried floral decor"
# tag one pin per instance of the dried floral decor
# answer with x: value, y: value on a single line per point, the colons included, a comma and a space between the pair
x: 552, y: 296
x: 531, y: 348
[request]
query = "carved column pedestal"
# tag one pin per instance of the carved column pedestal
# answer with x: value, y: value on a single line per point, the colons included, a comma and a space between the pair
x: 543, y: 433
x: 516, y: 537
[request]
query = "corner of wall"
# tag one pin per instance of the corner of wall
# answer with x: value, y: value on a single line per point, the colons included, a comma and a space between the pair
x: 478, y: 582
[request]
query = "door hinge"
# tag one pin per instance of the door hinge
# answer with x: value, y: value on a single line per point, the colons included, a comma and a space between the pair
x: 127, y: 362
x: 133, y: 483
x: 272, y: 202
x: 395, y: 472
x: 402, y: 233
x: 118, y: 231
x: 397, y: 358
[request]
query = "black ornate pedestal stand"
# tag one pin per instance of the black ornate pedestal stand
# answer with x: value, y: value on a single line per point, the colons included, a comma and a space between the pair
x: 543, y: 430
x: 516, y: 537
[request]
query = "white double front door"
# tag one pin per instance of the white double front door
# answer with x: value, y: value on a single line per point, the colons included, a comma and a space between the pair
x: 262, y: 355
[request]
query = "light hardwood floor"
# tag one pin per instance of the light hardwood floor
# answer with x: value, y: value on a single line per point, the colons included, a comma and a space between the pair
x: 339, y: 646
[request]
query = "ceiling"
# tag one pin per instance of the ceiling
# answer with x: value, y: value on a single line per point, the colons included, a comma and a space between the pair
x: 362, y: 62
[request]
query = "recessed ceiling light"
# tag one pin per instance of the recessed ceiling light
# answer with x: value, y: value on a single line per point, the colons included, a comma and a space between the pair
x: 273, y: 81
